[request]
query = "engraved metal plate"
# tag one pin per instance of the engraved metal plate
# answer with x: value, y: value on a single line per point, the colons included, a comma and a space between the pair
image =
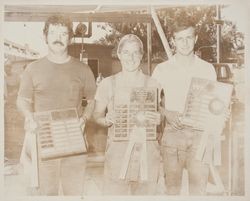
x: 205, y: 100
x: 59, y: 134
x: 130, y: 112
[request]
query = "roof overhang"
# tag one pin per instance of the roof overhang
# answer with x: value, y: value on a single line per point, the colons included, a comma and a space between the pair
x: 92, y: 13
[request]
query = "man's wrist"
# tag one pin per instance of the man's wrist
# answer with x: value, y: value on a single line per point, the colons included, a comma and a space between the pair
x: 85, y: 118
x: 30, y: 123
x: 29, y: 116
x: 103, y: 122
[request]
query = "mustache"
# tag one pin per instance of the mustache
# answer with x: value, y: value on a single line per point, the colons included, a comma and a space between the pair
x: 58, y: 42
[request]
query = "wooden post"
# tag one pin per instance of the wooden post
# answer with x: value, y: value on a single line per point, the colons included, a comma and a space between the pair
x: 161, y: 33
x: 235, y: 164
x: 230, y: 154
x: 234, y: 156
x: 34, y: 161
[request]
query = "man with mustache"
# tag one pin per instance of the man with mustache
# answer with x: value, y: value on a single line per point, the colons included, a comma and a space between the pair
x: 56, y: 81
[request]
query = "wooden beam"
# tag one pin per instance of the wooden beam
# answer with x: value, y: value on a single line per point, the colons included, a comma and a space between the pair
x: 50, y: 8
x: 149, y: 45
x: 34, y: 161
x: 78, y: 17
x: 161, y: 33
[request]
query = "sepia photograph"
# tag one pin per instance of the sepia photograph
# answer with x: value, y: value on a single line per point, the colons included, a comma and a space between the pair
x: 129, y: 99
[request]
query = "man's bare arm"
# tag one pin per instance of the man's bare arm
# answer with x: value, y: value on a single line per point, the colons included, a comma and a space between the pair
x: 100, y: 116
x: 88, y: 111
x: 25, y: 107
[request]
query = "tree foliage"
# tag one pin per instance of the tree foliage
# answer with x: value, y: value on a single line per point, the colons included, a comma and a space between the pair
x: 203, y: 16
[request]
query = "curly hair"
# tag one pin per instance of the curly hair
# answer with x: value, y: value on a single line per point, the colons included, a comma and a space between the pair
x: 59, y: 20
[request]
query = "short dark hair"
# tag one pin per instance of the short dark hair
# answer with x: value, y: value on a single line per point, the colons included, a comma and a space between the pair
x: 59, y: 19
x: 182, y: 23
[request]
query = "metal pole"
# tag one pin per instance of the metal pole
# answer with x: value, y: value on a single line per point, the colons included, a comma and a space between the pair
x: 218, y: 32
x: 149, y: 45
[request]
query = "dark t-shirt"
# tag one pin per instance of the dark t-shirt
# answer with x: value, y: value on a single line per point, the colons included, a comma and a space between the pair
x: 53, y: 86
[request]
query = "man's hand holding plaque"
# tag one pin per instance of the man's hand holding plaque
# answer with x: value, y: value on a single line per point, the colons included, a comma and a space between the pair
x: 109, y: 119
x: 174, y: 119
x: 30, y: 125
x: 148, y: 117
x: 153, y: 117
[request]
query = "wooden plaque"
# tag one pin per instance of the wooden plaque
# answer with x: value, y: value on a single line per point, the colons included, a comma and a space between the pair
x: 59, y: 134
x: 130, y: 111
x: 206, y: 101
